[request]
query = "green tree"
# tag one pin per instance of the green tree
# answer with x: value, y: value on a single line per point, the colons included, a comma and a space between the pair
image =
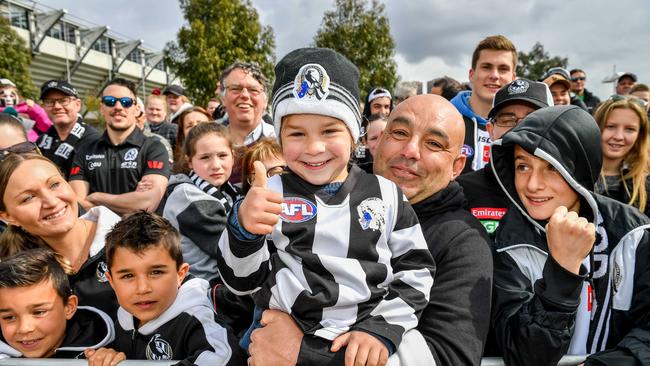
x: 15, y: 59
x: 218, y: 33
x: 362, y: 34
x: 534, y: 64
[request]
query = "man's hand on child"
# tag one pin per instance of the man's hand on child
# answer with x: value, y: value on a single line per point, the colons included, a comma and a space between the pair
x: 261, y: 208
x: 362, y: 349
x: 570, y: 238
x: 103, y: 357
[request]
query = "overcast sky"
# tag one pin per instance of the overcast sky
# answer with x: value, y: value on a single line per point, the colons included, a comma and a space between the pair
x: 433, y: 37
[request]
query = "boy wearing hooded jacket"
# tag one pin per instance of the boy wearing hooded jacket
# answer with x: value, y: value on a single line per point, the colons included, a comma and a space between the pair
x: 571, y: 267
x: 39, y: 316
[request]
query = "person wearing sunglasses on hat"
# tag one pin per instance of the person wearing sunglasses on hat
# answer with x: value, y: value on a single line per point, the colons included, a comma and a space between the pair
x: 35, y: 119
x: 68, y: 132
x: 108, y: 172
x: 578, y: 81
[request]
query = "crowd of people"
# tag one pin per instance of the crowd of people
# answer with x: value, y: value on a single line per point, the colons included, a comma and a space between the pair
x: 292, y: 224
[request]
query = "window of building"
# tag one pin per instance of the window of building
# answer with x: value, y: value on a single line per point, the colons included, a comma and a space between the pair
x: 135, y: 56
x: 103, y: 44
x: 63, y: 31
x: 18, y: 16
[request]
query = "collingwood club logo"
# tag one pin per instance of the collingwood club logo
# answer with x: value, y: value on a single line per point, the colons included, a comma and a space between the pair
x: 158, y: 349
x: 312, y: 83
x: 518, y: 87
x: 102, y: 268
x: 371, y: 214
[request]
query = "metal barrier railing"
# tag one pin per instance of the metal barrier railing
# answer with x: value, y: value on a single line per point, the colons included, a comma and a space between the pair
x: 488, y: 361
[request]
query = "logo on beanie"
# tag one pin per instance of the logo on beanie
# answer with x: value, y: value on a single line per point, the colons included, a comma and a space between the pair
x: 312, y: 83
x: 518, y: 86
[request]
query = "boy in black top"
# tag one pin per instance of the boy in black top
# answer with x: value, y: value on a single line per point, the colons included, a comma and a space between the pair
x: 39, y: 316
x: 164, y: 314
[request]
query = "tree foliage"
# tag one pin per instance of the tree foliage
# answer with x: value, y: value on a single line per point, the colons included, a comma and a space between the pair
x: 362, y: 34
x: 534, y: 64
x: 15, y: 59
x: 218, y: 33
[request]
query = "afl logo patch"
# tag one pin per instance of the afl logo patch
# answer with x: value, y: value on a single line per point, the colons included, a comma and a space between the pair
x: 312, y: 83
x: 295, y: 210
x: 467, y: 151
x: 102, y: 268
x: 159, y: 349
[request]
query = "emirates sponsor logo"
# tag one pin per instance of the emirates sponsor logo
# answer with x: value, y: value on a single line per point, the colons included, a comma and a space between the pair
x: 489, y: 213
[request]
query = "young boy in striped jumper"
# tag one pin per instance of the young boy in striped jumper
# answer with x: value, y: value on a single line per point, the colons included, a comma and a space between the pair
x: 348, y: 259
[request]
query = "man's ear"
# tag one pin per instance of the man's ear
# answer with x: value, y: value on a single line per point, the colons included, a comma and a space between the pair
x: 71, y: 306
x: 109, y: 277
x: 458, y: 166
x: 490, y: 128
x: 471, y: 73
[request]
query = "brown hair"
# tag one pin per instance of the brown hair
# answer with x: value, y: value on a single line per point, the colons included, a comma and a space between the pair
x: 30, y: 267
x: 14, y: 239
x: 496, y: 43
x: 180, y: 163
x: 140, y: 231
x: 638, y: 158
x: 265, y: 148
x: 200, y: 130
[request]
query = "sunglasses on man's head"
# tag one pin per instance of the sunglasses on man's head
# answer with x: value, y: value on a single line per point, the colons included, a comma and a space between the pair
x: 19, y: 148
x: 110, y: 101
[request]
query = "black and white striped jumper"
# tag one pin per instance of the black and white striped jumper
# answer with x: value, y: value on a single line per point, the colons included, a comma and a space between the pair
x: 330, y: 273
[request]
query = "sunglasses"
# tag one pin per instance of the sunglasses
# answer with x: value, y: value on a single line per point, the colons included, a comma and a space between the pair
x: 19, y: 148
x: 579, y: 78
x: 638, y: 101
x: 110, y: 101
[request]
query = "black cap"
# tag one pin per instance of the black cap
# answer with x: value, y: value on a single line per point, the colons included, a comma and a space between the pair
x: 523, y: 90
x: 61, y: 85
x: 174, y: 89
x: 629, y: 75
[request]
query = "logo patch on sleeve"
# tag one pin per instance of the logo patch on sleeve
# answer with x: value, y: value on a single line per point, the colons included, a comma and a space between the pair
x: 296, y: 210
x: 372, y: 213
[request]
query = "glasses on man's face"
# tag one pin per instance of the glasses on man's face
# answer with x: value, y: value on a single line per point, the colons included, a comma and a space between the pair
x: 19, y: 148
x: 63, y: 102
x: 579, y: 78
x: 238, y: 89
x: 110, y: 101
x: 506, y: 120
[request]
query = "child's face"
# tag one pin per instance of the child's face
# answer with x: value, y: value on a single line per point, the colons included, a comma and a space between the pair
x: 316, y: 147
x: 145, y: 283
x: 33, y: 318
x: 540, y: 187
x: 212, y: 159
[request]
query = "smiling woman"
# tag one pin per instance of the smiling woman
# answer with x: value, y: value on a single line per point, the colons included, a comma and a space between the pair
x: 624, y: 131
x: 41, y: 210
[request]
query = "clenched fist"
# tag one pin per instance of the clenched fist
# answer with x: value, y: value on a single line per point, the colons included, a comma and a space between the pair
x: 570, y: 238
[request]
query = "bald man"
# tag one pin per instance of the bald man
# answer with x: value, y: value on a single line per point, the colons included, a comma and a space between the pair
x: 420, y: 150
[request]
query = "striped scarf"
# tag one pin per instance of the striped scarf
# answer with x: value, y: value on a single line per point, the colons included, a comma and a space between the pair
x: 227, y: 194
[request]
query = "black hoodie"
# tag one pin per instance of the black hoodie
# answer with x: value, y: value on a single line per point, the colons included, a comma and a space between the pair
x: 542, y: 311
x: 456, y: 320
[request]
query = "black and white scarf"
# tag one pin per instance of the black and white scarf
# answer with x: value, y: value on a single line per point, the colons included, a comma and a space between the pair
x: 227, y: 194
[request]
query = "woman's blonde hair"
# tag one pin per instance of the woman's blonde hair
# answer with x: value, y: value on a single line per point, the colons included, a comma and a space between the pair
x: 638, y: 158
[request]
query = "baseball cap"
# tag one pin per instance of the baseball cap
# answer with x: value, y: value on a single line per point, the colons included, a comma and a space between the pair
x: 627, y: 74
x: 174, y: 89
x: 523, y: 90
x: 6, y: 82
x: 60, y: 85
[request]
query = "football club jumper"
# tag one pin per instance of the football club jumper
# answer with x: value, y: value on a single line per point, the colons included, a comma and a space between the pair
x: 355, y: 260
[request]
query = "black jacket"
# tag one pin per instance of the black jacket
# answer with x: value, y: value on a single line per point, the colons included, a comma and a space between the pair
x: 542, y: 311
x: 455, y: 322
x: 622, y: 192
x: 485, y: 198
x: 186, y: 331
x: 590, y: 100
x: 88, y: 328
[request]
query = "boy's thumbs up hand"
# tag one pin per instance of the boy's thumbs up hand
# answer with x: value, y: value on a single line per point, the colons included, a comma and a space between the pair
x: 261, y: 207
